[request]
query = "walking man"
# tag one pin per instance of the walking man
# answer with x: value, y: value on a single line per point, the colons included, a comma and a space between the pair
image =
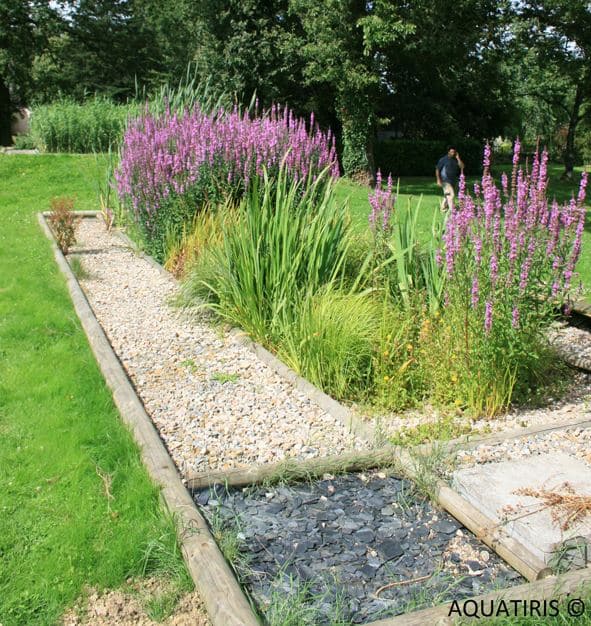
x: 447, y: 172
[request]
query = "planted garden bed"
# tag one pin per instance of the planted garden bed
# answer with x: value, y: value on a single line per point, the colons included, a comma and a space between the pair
x: 243, y: 206
x: 421, y: 520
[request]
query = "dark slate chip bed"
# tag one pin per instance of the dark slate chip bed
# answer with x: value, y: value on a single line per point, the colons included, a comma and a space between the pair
x: 337, y: 541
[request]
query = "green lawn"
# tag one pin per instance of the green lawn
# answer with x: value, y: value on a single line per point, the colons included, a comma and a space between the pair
x: 58, y: 425
x: 424, y: 189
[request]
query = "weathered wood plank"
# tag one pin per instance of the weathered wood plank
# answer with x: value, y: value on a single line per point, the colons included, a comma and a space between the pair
x: 294, y: 469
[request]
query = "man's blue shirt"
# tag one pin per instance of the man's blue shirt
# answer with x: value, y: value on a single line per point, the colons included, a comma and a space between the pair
x: 449, y: 170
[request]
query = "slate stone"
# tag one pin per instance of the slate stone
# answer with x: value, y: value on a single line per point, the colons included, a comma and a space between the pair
x: 390, y: 549
x: 359, y: 550
x: 305, y: 573
x: 330, y: 537
x: 445, y: 526
x: 273, y: 507
x: 367, y: 571
x: 202, y: 498
x: 301, y: 547
x: 348, y: 525
x: 310, y: 500
x: 420, y: 532
x: 364, y: 535
x: 374, y: 561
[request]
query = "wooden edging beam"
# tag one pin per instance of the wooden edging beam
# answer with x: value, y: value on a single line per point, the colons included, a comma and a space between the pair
x: 293, y: 469
x: 223, y: 597
x: 468, y: 443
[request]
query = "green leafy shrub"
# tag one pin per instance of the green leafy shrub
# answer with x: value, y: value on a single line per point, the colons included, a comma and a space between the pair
x: 408, y: 157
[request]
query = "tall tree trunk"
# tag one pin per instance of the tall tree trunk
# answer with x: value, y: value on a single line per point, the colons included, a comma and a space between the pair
x: 357, y: 120
x: 569, y: 151
x: 5, y: 114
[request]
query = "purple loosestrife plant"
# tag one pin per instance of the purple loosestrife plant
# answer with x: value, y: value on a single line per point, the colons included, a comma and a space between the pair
x: 510, y: 258
x: 381, y: 202
x: 174, y: 163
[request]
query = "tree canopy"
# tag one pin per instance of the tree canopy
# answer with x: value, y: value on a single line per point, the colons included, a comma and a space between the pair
x: 423, y: 69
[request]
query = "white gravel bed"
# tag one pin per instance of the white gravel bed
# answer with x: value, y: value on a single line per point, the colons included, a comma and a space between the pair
x: 573, y: 441
x: 215, y: 404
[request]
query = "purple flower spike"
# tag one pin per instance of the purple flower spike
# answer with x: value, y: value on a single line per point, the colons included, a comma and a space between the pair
x: 488, y: 320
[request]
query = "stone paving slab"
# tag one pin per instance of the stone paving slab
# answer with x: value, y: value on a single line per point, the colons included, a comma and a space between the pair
x: 491, y: 488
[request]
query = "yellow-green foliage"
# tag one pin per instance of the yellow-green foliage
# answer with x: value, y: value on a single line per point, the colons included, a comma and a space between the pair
x: 206, y: 232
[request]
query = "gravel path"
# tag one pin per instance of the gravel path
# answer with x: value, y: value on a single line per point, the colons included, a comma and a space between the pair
x: 573, y: 441
x: 214, y: 403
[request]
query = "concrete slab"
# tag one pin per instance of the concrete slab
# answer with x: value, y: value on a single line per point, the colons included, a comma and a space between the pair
x: 491, y: 488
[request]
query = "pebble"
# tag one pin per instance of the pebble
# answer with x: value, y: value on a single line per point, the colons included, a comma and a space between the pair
x: 173, y: 359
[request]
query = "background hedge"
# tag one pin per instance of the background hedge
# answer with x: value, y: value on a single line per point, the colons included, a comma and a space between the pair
x: 410, y: 157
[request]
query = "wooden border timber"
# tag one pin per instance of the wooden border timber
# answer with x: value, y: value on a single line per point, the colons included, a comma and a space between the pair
x: 293, y: 469
x: 224, y: 599
x: 468, y: 443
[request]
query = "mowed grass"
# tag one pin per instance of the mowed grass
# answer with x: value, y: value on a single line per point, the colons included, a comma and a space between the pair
x: 425, y: 191
x: 59, y: 430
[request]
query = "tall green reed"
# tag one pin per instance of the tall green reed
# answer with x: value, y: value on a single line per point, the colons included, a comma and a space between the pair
x: 96, y: 125
x: 290, y: 238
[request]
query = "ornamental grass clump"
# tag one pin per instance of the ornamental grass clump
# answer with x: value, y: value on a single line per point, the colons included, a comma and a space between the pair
x: 509, y: 256
x: 173, y: 164
x: 287, y: 238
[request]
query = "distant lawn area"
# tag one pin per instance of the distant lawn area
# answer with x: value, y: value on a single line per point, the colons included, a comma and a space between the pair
x: 412, y: 188
x: 59, y: 429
